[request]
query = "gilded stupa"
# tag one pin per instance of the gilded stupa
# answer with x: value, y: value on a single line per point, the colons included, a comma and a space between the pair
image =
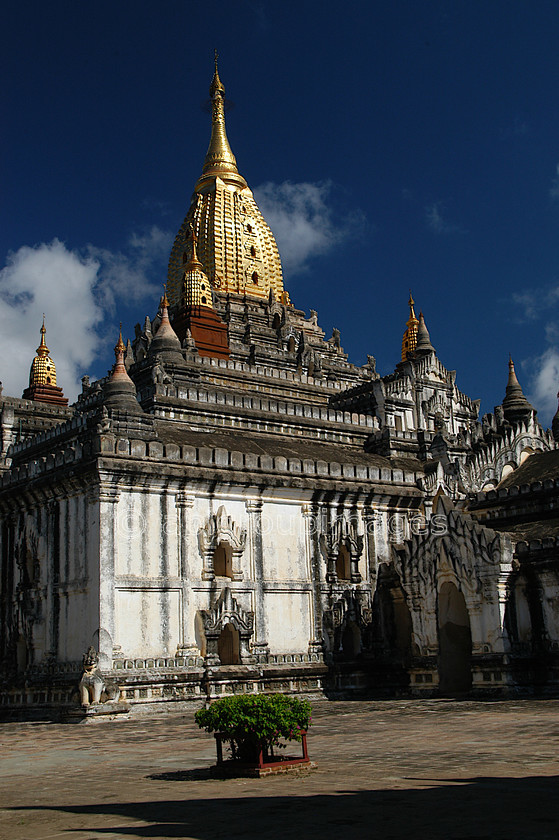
x: 409, y: 340
x: 42, y: 376
x: 236, y: 249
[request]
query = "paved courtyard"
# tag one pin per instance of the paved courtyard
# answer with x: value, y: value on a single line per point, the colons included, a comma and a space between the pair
x: 393, y: 769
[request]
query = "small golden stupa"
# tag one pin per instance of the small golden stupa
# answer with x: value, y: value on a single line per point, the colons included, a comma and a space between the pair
x: 42, y: 376
x: 409, y: 340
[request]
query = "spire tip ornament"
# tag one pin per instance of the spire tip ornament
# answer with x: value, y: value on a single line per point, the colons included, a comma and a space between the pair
x: 409, y: 340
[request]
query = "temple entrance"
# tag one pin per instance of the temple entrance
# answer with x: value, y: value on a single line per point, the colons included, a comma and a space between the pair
x: 228, y: 646
x: 455, y: 642
x: 394, y: 622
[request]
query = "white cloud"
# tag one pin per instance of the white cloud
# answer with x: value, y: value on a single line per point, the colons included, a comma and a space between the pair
x: 544, y: 383
x: 436, y: 221
x: 535, y: 302
x: 301, y: 218
x: 129, y: 275
x: 76, y: 290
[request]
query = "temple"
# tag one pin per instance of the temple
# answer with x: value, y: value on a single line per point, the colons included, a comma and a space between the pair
x: 238, y: 507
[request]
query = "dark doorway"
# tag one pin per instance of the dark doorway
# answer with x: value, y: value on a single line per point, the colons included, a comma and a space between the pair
x: 223, y: 560
x: 343, y: 564
x: 455, y: 642
x: 351, y: 641
x: 228, y: 647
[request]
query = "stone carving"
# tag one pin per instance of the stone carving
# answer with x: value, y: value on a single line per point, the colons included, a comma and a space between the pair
x: 352, y: 613
x: 342, y: 535
x: 92, y: 684
x: 227, y: 611
x: 459, y: 550
x: 221, y: 530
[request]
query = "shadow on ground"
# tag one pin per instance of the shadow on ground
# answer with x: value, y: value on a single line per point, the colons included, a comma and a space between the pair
x: 454, y: 809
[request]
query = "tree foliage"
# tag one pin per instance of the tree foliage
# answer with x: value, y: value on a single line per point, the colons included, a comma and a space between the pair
x: 251, y: 722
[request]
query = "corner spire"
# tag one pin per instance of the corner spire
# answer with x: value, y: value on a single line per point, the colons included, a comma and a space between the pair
x: 165, y: 342
x: 423, y: 338
x: 119, y: 392
x: 515, y: 404
x: 119, y: 368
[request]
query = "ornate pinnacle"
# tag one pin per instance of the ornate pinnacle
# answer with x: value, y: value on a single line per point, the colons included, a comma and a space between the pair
x: 219, y: 157
x: 42, y: 349
x: 120, y: 346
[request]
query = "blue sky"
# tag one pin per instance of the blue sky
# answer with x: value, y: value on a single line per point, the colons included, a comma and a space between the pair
x: 392, y: 145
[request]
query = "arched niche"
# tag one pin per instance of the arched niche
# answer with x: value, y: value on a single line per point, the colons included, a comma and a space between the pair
x: 222, y: 541
x: 507, y: 470
x: 455, y: 641
x: 526, y: 452
x: 223, y: 560
x: 227, y: 630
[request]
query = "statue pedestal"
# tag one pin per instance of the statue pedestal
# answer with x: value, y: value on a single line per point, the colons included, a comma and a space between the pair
x: 82, y: 714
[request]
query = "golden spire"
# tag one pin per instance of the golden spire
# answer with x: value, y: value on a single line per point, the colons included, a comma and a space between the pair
x: 219, y: 160
x: 42, y: 349
x: 43, y: 369
x: 232, y: 242
x: 409, y: 340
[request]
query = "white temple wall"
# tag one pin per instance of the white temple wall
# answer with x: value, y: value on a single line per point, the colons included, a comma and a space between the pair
x: 283, y: 543
x: 288, y: 619
x: 146, y: 531
x: 147, y: 612
x: 148, y: 621
x: 78, y: 586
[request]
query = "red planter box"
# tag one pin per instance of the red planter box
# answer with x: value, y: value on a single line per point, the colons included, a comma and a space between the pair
x: 265, y: 764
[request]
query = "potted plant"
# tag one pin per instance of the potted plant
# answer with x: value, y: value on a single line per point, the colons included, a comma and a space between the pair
x: 253, y: 726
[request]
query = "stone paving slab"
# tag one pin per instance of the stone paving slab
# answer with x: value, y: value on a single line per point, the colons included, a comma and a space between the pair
x: 436, y: 769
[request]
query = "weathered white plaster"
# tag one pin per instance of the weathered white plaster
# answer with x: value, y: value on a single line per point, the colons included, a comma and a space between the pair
x: 288, y: 618
x: 148, y: 621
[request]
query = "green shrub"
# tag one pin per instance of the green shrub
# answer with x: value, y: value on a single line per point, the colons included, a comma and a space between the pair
x: 250, y: 722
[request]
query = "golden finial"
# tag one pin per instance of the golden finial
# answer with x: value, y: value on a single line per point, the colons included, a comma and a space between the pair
x: 42, y: 349
x: 193, y: 262
x: 216, y: 85
x: 409, y: 340
x: 120, y: 346
x: 164, y: 301
x: 219, y: 157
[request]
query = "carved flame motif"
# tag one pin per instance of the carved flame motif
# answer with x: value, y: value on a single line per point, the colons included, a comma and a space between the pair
x: 221, y: 529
